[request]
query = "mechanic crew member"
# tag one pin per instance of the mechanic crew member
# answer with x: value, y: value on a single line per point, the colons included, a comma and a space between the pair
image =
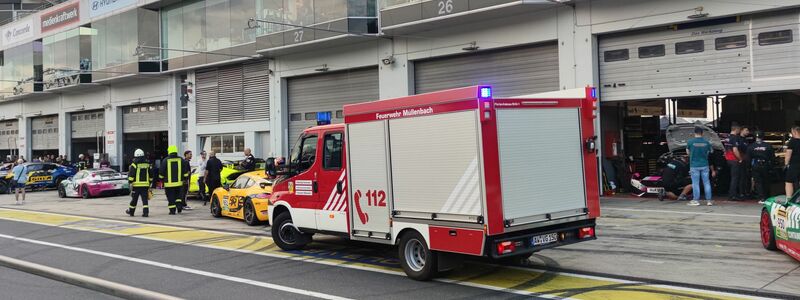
x: 212, y: 174
x: 761, y: 157
x: 249, y: 162
x: 675, y: 180
x: 699, y: 149
x: 173, y: 172
x: 187, y: 158
x: 140, y: 175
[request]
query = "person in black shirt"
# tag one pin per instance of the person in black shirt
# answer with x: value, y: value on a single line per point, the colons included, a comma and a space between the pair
x: 745, y: 184
x: 212, y: 174
x: 249, y: 162
x: 675, y: 180
x: 760, y: 156
x: 734, y: 157
x: 792, y: 161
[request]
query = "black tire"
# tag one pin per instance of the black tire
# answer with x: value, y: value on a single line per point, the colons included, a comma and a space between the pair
x: 767, y: 232
x: 58, y: 181
x: 250, y: 214
x: 417, y: 261
x: 216, y: 209
x: 286, y: 235
x: 85, y: 192
x: 61, y: 192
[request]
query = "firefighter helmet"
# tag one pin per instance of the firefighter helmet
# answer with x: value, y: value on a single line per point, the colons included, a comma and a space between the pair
x: 138, y: 153
x: 172, y: 149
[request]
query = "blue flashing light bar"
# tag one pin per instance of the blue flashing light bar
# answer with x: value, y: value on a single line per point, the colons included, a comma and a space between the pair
x: 323, y: 118
x: 594, y: 92
x: 485, y: 92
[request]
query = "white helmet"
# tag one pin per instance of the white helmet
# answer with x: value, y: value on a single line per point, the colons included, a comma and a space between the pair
x: 80, y: 156
x: 138, y: 153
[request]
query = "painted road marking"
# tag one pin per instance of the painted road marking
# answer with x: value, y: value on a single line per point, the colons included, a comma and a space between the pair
x: 522, y: 281
x: 683, y: 212
x: 179, y: 268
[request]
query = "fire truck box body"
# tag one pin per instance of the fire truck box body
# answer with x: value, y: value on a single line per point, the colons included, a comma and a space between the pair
x: 470, y: 172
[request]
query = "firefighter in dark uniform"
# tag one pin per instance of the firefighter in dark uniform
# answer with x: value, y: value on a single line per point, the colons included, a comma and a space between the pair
x: 249, y: 162
x: 82, y: 164
x: 174, y: 172
x: 140, y: 175
x: 761, y: 157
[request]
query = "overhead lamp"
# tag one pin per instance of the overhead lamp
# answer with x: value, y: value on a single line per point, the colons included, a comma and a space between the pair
x: 472, y: 47
x: 107, y: 106
x: 698, y: 13
x: 324, y: 68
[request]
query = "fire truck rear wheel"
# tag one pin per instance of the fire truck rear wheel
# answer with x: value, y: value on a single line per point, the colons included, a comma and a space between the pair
x: 286, y: 235
x: 417, y: 260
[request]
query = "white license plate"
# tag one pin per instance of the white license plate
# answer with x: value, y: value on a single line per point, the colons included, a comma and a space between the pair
x: 654, y: 190
x: 544, y: 239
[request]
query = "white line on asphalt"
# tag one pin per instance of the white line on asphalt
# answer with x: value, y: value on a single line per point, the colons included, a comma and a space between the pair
x: 179, y: 268
x: 680, y: 212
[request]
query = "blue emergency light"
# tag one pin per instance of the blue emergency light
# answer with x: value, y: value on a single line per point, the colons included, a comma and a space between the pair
x: 594, y: 92
x: 323, y: 118
x: 485, y: 92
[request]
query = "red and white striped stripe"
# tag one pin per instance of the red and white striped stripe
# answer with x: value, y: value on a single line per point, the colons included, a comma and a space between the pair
x: 336, y: 201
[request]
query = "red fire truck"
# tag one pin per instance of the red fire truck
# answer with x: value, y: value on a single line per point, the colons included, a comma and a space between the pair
x: 445, y: 175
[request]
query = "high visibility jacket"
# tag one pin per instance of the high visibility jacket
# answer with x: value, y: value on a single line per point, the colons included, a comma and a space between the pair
x: 82, y: 165
x: 174, y: 171
x: 139, y: 174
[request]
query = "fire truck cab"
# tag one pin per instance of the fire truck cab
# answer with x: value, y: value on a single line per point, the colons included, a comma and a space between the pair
x: 445, y: 175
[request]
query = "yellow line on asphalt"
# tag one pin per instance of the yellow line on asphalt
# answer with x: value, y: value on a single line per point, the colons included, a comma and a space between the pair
x: 511, y: 279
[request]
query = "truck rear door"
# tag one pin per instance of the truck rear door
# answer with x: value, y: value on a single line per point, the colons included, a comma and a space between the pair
x: 541, y: 161
x: 369, y: 178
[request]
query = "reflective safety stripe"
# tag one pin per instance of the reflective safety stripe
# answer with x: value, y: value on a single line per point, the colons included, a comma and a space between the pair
x: 141, y: 175
x: 146, y: 206
x: 178, y: 200
x: 174, y: 179
x: 171, y: 206
x: 131, y: 206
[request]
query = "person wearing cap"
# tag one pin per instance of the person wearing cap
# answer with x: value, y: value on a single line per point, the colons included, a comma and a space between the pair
x: 140, y: 175
x: 187, y: 158
x: 699, y: 149
x: 173, y: 172
x: 761, y: 157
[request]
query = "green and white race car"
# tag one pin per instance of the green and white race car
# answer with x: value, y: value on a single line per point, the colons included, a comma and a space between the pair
x: 780, y: 224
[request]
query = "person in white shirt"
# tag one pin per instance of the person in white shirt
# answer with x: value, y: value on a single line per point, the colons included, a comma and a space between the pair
x: 201, y: 170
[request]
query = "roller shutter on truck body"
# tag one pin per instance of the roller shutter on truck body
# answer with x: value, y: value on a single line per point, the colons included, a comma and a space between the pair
x: 44, y: 133
x: 512, y: 72
x: 758, y: 53
x: 148, y: 117
x: 327, y: 93
x: 9, y: 134
x: 233, y: 93
x: 87, y: 124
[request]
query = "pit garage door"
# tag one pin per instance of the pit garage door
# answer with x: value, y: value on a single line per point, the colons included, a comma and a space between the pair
x: 757, y: 53
x: 88, y: 132
x: 145, y: 118
x: 512, y: 72
x: 9, y: 135
x: 44, y: 133
x: 327, y: 93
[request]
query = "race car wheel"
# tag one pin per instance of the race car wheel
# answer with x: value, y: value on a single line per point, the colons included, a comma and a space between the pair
x: 250, y: 214
x: 85, y: 192
x: 286, y: 235
x: 416, y: 259
x: 61, y: 192
x: 59, y: 180
x: 216, y: 210
x: 767, y: 232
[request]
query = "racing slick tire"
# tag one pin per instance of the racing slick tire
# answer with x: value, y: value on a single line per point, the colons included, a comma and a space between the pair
x: 85, y: 192
x: 416, y: 259
x: 59, y: 180
x: 216, y: 209
x: 250, y: 216
x: 767, y: 232
x: 286, y: 235
x: 61, y: 192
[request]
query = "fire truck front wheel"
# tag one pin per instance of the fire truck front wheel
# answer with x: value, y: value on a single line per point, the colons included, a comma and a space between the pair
x: 286, y: 235
x: 416, y: 259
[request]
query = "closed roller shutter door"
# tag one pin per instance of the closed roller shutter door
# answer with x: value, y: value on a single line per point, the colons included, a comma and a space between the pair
x: 44, y: 133
x: 327, y: 92
x: 149, y: 117
x: 87, y: 124
x: 512, y: 72
x: 9, y: 132
x: 233, y: 93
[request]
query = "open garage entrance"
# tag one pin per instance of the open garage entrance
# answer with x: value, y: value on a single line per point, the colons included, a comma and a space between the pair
x: 87, y: 136
x: 144, y: 126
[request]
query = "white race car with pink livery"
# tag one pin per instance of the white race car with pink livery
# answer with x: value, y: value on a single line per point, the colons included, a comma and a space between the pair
x: 95, y: 183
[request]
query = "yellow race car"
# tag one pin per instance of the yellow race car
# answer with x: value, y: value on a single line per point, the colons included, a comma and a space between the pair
x: 228, y: 174
x: 246, y: 199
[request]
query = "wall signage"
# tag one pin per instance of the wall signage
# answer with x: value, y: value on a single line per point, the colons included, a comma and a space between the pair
x: 60, y: 17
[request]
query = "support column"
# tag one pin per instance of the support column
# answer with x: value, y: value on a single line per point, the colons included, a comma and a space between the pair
x: 278, y: 119
x: 174, y: 114
x: 396, y: 78
x: 25, y: 137
x: 64, y: 133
